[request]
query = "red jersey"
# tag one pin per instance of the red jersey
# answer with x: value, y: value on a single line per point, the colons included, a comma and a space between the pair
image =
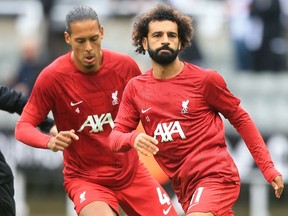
x: 87, y: 103
x: 182, y: 113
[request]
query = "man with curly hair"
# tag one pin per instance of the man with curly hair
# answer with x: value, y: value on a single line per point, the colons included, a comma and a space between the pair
x: 179, y: 105
x: 83, y: 88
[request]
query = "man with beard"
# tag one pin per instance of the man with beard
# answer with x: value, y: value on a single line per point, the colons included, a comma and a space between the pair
x: 83, y: 88
x: 179, y: 105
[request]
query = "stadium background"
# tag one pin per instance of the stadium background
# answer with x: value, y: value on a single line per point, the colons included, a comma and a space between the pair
x: 38, y: 176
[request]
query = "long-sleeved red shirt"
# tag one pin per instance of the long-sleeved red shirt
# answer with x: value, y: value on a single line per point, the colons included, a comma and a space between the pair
x: 183, y: 114
x: 87, y: 103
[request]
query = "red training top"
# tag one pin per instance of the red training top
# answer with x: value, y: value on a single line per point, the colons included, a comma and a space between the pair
x: 87, y: 103
x: 182, y: 113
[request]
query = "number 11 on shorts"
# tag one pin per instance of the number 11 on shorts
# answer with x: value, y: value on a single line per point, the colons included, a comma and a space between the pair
x: 196, y: 197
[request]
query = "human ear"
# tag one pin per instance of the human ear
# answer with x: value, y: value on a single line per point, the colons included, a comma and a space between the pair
x: 145, y: 43
x: 67, y: 37
x: 102, y: 32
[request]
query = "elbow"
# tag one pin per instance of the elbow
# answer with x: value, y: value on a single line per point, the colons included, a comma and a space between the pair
x: 21, y: 129
x: 17, y: 132
x: 116, y: 142
x: 112, y: 142
x: 114, y: 146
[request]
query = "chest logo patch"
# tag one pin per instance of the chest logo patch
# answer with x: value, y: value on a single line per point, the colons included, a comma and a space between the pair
x: 115, y: 98
x: 185, y: 107
x: 75, y: 103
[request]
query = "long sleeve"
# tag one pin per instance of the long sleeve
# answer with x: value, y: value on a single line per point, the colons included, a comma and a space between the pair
x: 26, y: 132
x: 220, y: 98
x: 13, y: 101
x: 243, y: 123
x: 122, y: 140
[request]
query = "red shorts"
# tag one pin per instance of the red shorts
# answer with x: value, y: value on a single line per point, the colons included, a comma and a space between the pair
x: 144, y: 196
x: 217, y: 198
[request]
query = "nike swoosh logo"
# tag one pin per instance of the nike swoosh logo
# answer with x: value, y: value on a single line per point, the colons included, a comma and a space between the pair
x: 165, y: 212
x: 74, y: 104
x: 144, y: 111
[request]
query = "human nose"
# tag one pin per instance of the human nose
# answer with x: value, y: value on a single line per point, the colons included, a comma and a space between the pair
x: 165, y: 39
x: 88, y: 47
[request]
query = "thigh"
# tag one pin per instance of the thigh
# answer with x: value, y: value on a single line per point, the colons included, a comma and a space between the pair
x: 91, y: 199
x: 215, y: 198
x: 7, y: 202
x: 97, y: 208
x: 145, y: 196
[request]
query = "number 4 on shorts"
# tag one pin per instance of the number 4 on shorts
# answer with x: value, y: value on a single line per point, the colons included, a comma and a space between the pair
x: 163, y: 198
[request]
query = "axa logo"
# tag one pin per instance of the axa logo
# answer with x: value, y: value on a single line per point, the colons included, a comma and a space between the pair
x: 96, y: 122
x: 166, y: 130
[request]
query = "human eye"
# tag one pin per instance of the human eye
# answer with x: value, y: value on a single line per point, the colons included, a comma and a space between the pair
x: 94, y: 39
x: 156, y: 34
x: 80, y: 41
x: 173, y: 35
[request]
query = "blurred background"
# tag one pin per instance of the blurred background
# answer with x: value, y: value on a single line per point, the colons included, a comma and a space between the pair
x: 244, y: 40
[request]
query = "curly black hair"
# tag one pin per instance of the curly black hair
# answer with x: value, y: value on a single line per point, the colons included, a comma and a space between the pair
x: 160, y: 13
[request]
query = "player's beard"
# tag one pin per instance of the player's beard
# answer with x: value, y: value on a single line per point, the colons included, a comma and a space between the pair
x: 90, y: 66
x: 163, y: 58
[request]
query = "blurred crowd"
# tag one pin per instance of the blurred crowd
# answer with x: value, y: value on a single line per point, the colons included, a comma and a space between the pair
x: 257, y: 32
x: 258, y: 29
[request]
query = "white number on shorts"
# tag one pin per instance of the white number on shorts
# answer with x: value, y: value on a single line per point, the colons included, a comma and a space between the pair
x: 163, y: 198
x: 196, y: 197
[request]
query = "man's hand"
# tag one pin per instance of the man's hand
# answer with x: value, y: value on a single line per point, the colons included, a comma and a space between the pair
x: 62, y: 140
x: 146, y: 144
x: 53, y: 131
x: 278, y: 186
